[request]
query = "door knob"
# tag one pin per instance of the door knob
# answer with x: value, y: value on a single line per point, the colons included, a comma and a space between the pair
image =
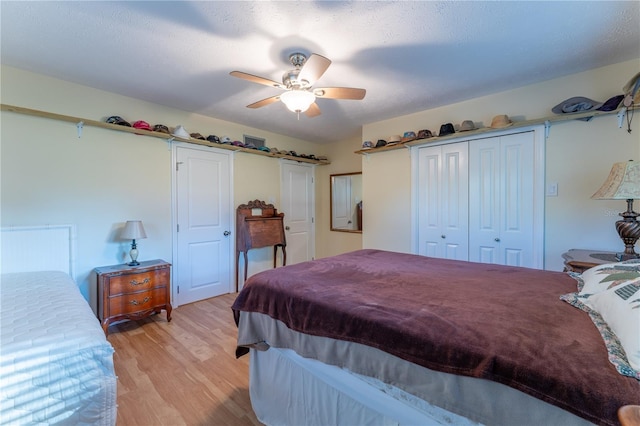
x: 497, y: 240
x: 443, y: 236
x: 286, y: 227
x: 227, y: 233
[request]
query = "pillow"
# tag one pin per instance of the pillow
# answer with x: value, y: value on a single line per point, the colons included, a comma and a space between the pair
x: 602, y: 277
x: 620, y: 308
x: 610, y: 293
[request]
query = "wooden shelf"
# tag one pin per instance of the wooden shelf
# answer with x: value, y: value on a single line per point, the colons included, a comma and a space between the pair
x: 545, y: 120
x: 160, y: 135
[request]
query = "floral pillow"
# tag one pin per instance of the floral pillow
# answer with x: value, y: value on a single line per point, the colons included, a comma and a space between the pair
x: 611, y: 295
x: 603, y: 277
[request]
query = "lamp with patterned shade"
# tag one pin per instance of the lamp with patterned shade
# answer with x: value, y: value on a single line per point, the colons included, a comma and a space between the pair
x: 623, y: 183
x: 133, y: 230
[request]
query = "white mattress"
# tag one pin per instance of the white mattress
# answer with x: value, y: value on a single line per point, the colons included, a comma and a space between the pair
x: 56, y: 365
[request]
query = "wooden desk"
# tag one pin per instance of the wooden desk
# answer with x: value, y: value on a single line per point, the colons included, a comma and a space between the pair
x: 259, y: 225
x: 577, y: 260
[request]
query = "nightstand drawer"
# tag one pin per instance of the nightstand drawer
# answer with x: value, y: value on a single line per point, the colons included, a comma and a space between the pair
x: 137, y: 302
x: 130, y: 283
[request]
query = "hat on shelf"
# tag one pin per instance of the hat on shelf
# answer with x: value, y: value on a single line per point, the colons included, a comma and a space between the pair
x: 575, y: 105
x: 500, y: 121
x: 408, y: 137
x: 631, y: 91
x: 467, y: 125
x: 367, y: 145
x: 197, y: 136
x: 612, y: 103
x: 213, y: 138
x: 446, y: 129
x: 425, y: 134
x: 226, y: 140
x: 140, y: 124
x: 264, y: 148
x: 161, y: 128
x: 394, y: 139
x: 381, y: 143
x: 180, y: 132
x: 116, y: 119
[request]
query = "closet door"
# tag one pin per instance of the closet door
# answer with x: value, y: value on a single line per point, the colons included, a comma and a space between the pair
x: 501, y: 194
x: 442, y: 201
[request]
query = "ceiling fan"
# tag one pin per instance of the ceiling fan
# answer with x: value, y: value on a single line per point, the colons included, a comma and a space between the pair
x: 300, y: 96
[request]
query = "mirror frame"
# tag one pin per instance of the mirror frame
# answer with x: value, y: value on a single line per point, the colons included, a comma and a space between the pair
x: 331, y: 180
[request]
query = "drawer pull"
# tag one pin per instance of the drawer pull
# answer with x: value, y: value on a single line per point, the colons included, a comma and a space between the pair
x: 136, y: 282
x: 136, y: 303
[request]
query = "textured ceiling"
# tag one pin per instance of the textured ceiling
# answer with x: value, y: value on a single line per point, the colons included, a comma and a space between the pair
x: 409, y: 56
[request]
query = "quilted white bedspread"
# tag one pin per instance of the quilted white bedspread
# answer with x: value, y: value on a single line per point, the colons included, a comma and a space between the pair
x: 56, y: 366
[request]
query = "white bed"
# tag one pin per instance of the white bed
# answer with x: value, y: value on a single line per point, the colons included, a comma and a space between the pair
x: 56, y: 366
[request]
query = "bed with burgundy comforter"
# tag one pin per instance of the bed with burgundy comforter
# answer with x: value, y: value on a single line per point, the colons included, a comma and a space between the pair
x: 499, y: 323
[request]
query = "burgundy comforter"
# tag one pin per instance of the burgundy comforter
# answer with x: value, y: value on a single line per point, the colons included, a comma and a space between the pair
x: 494, y: 322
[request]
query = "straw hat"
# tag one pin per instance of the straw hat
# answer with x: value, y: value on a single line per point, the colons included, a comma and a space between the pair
x: 500, y: 121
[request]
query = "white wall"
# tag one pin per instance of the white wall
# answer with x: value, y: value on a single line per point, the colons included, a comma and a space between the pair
x: 579, y: 156
x: 98, y: 181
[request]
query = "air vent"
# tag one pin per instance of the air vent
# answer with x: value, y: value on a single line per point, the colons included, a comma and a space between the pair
x: 258, y: 142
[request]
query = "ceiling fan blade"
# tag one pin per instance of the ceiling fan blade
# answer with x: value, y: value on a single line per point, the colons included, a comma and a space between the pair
x: 313, y: 110
x: 264, y: 102
x: 340, y: 93
x: 256, y: 79
x: 313, y: 68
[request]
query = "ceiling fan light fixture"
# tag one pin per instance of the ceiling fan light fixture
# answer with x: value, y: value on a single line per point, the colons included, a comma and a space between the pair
x: 298, y: 100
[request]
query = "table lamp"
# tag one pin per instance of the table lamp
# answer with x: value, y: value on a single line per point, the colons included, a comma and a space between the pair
x: 133, y: 230
x: 623, y: 183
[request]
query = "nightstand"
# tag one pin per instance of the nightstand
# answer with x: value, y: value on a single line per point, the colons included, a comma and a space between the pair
x: 576, y: 260
x: 133, y: 292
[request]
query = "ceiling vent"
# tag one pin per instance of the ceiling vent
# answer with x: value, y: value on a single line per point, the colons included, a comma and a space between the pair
x: 258, y: 142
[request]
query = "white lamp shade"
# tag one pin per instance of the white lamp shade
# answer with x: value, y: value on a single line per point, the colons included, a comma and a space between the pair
x: 133, y: 230
x: 623, y: 183
x: 298, y: 100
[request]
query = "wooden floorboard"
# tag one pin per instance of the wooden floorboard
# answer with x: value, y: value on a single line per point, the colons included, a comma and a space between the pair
x: 182, y: 372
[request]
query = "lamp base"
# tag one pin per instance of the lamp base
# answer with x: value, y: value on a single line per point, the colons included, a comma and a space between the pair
x: 134, y: 254
x: 629, y: 231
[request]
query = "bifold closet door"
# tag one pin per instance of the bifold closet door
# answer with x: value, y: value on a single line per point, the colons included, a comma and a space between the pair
x: 501, y: 194
x: 443, y: 201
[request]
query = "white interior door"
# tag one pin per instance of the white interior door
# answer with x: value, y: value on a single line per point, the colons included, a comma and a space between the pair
x: 298, y: 206
x: 203, y: 223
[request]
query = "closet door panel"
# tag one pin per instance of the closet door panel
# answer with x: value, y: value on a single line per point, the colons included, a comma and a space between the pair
x: 484, y: 201
x: 516, y: 235
x: 442, y: 201
x: 428, y: 201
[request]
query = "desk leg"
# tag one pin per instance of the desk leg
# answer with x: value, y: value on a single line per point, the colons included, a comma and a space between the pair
x: 284, y: 255
x: 246, y: 264
x: 237, y: 266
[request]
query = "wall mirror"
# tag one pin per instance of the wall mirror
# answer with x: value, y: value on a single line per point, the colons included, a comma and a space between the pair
x: 346, y: 202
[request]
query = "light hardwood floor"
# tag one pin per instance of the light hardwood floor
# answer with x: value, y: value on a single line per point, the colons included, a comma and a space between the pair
x: 182, y: 372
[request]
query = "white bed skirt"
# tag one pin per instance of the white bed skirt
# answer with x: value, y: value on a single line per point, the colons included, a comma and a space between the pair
x: 288, y: 385
x: 287, y: 389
